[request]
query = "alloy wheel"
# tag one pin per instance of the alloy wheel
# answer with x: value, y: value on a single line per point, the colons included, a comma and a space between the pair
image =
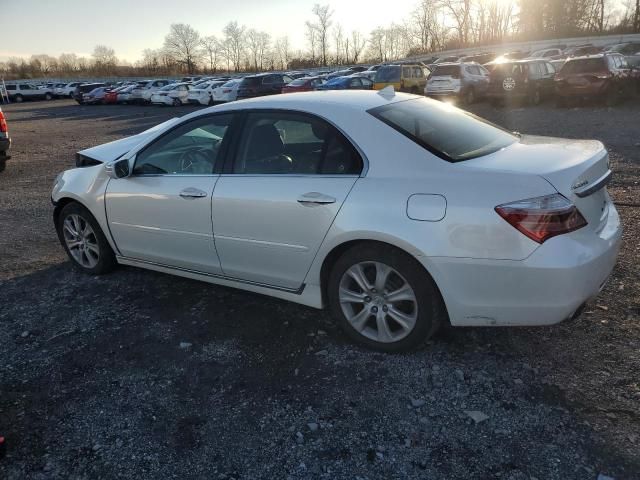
x: 378, y: 302
x: 81, y: 241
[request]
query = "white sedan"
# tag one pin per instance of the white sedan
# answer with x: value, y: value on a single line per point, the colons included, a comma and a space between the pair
x: 228, y: 92
x: 173, y: 94
x: 397, y: 212
x: 202, y: 93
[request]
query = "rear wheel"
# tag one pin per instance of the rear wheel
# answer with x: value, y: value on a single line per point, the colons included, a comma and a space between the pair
x: 176, y: 102
x: 48, y: 96
x: 18, y: 98
x: 470, y: 96
x: 83, y: 240
x: 383, y: 298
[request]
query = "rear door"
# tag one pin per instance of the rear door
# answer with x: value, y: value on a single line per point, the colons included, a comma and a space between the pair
x: 274, y: 204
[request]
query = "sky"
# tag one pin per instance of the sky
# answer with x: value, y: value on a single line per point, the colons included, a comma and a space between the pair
x: 130, y: 26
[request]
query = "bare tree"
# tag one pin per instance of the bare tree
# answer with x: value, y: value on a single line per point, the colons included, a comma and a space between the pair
x: 182, y: 43
x: 311, y: 32
x: 104, y: 59
x: 323, y: 15
x: 283, y: 52
x: 357, y: 45
x: 337, y: 37
x: 258, y: 44
x: 67, y: 63
x: 234, y: 42
x: 43, y: 64
x: 211, y: 47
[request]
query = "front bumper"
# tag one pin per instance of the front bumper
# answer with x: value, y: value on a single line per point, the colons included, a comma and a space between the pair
x: 545, y: 288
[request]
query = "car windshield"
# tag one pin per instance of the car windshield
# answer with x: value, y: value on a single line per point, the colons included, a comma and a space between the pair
x: 388, y: 74
x: 447, y: 70
x: 446, y: 131
x: 510, y: 68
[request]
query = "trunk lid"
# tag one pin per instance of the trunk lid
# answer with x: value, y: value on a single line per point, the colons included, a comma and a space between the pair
x: 578, y: 169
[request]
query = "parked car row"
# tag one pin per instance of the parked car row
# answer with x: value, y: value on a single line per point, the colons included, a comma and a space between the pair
x: 603, y: 76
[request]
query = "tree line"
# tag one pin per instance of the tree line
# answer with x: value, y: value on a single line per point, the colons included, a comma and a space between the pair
x: 432, y: 26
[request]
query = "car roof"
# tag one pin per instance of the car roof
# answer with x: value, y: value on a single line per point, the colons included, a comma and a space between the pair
x: 339, y: 100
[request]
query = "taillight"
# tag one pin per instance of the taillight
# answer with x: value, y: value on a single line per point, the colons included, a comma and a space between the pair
x: 541, y: 218
x: 3, y: 123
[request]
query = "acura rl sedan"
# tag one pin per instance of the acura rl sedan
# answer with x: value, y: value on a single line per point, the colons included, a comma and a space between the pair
x: 396, y: 212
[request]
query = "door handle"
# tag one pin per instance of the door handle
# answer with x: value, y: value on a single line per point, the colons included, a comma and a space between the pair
x: 316, y: 198
x: 192, y: 192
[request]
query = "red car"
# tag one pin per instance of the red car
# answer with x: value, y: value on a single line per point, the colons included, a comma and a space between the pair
x: 305, y: 84
x: 112, y: 95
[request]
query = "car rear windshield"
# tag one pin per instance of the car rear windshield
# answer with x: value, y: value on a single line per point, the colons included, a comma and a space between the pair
x: 447, y: 70
x: 388, y: 74
x: 503, y: 69
x: 584, y: 65
x: 448, y: 132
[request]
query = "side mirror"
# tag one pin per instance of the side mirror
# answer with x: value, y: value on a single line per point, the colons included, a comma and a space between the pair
x: 118, y: 168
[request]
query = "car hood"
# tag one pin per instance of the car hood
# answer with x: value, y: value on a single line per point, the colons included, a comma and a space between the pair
x: 116, y: 149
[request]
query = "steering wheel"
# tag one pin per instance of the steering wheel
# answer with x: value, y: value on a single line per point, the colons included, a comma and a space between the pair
x: 194, y: 161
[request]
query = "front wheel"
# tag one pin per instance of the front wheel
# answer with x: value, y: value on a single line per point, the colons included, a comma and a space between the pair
x: 48, y: 96
x: 18, y: 99
x: 83, y: 240
x: 384, y: 299
x: 176, y: 102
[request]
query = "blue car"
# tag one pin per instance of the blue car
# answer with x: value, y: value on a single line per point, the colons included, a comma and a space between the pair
x: 347, y: 83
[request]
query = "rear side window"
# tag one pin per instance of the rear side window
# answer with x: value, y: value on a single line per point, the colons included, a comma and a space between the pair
x: 584, y: 66
x: 11, y: 87
x: 448, y: 132
x: 280, y: 143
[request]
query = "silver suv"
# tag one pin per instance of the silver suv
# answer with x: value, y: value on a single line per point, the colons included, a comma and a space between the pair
x: 465, y: 80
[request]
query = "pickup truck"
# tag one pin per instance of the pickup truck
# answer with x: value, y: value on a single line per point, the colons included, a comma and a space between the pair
x: 19, y: 92
x: 5, y: 141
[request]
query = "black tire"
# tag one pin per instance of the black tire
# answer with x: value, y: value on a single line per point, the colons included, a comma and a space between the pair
x: 176, y: 102
x: 535, y: 97
x: 3, y: 162
x: 469, y: 96
x: 431, y: 312
x: 48, y: 96
x: 18, y: 98
x: 107, y: 259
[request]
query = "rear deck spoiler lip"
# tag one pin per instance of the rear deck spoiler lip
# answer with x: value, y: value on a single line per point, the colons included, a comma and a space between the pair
x: 586, y: 190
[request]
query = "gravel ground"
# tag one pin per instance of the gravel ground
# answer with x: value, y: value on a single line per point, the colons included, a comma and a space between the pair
x: 143, y: 375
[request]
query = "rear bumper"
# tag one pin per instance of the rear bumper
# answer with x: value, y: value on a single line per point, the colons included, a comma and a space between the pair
x: 5, y: 144
x: 546, y: 288
x: 506, y: 95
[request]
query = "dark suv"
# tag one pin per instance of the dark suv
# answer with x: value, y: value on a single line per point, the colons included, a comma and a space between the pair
x: 605, y: 76
x: 528, y: 80
x: 262, y: 84
x: 84, y: 88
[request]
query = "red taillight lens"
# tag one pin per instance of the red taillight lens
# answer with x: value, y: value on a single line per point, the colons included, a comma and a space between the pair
x: 3, y: 123
x: 541, y: 218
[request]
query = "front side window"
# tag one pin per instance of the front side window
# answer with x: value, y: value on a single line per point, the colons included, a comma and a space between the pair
x: 355, y: 83
x: 389, y: 74
x: 190, y: 149
x: 417, y: 72
x: 406, y: 72
x: 292, y: 143
x: 24, y: 86
x: 267, y: 80
x: 446, y: 131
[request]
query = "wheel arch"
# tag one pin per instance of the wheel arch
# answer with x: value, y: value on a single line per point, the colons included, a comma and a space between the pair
x: 338, y: 250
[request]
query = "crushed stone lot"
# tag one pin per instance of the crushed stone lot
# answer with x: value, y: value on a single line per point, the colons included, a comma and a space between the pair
x: 138, y: 374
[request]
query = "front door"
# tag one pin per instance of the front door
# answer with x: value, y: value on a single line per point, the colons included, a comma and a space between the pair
x: 162, y: 212
x: 271, y: 211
